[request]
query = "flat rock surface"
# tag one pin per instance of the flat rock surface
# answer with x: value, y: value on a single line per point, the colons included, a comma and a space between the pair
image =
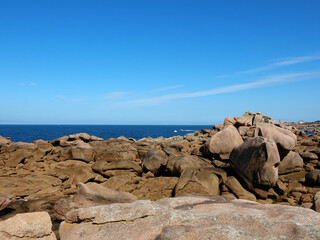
x: 192, y: 217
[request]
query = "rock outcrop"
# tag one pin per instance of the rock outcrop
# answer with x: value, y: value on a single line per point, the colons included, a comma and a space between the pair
x: 279, y: 165
x: 191, y: 217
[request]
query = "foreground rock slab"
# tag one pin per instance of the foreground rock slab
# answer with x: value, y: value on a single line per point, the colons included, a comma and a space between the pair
x: 27, y: 226
x: 191, y: 217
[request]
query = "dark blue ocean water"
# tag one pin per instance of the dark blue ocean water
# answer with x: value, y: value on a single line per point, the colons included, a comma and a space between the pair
x: 29, y: 133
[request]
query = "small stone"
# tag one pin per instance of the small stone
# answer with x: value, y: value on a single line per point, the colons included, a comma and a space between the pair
x: 296, y: 195
x: 272, y: 194
x: 219, y: 164
x: 309, y: 168
x: 280, y: 187
x: 148, y: 175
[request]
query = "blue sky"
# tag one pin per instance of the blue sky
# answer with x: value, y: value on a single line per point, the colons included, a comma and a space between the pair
x: 159, y: 61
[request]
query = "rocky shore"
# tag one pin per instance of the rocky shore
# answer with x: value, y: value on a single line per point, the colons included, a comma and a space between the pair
x: 308, y: 127
x: 248, y: 178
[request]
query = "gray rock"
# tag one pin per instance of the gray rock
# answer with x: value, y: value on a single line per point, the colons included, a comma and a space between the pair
x: 313, y: 178
x: 292, y: 162
x: 256, y: 161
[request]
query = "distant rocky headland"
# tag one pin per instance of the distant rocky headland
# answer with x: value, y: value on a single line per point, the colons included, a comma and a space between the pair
x: 250, y: 177
x: 308, y: 127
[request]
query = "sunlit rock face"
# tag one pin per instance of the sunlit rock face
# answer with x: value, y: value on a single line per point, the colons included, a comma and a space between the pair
x: 191, y: 218
x: 222, y: 143
x: 285, y: 139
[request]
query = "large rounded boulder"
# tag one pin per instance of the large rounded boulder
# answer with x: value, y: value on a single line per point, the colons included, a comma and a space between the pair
x: 292, y: 162
x: 201, y: 182
x: 256, y: 161
x: 285, y: 139
x: 154, y: 160
x: 222, y: 143
x: 83, y: 151
x: 177, y: 164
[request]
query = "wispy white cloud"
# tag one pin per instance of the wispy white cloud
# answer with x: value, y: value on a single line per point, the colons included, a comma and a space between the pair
x: 280, y: 63
x: 265, y: 82
x: 115, y: 95
x: 168, y: 88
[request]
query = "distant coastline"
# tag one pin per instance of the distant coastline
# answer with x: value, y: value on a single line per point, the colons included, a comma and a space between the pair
x: 32, y: 132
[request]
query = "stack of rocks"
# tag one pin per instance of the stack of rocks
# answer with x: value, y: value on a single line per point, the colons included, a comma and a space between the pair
x: 250, y: 157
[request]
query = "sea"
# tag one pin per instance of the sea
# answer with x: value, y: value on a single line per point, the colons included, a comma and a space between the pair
x: 30, y: 133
